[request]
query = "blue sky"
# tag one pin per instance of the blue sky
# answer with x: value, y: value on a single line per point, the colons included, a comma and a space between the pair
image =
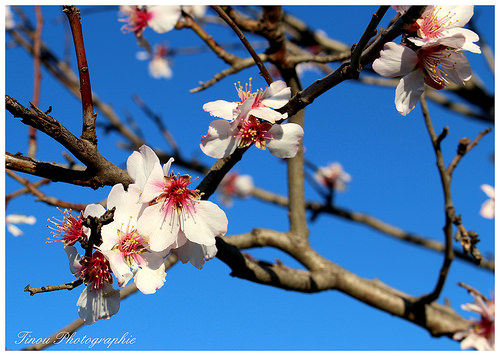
x: 388, y: 156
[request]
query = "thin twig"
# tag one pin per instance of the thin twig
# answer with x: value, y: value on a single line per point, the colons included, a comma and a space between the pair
x: 449, y: 209
x: 263, y: 70
x: 88, y: 129
x: 462, y: 151
x: 66, y: 286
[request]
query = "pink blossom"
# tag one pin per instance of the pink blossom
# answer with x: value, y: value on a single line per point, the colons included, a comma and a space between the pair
x: 481, y: 333
x: 159, y: 18
x: 332, y: 176
x: 440, y: 22
x: 252, y: 120
x: 175, y: 214
x: 69, y: 230
x: 234, y: 184
x: 435, y: 65
x: 126, y: 249
x: 488, y: 207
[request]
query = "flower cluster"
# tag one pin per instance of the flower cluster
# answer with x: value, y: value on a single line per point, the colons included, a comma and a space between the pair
x: 157, y: 215
x: 332, y: 177
x: 431, y: 55
x: 252, y: 120
x: 481, y: 333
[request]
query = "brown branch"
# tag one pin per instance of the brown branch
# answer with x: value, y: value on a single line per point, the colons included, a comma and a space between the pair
x: 66, y: 286
x: 449, y: 209
x: 42, y: 197
x: 263, y: 70
x: 37, y: 76
x: 10, y: 196
x: 464, y: 147
x: 100, y: 171
x: 88, y: 130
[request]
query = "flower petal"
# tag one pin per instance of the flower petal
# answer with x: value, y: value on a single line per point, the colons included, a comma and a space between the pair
x: 148, y: 280
x: 163, y: 18
x: 154, y: 184
x: 286, y: 140
x: 195, y: 253
x: 221, y: 108
x: 470, y: 37
x: 276, y: 95
x: 94, y: 210
x: 395, y: 60
x: 160, y: 230
x: 219, y: 141
x: 74, y: 259
x: 140, y: 164
x: 267, y: 114
x: 408, y: 92
x: 207, y: 222
x: 100, y: 304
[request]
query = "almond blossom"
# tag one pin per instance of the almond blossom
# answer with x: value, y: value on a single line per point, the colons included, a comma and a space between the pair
x: 159, y: 64
x: 159, y: 18
x: 175, y: 214
x: 252, y: 120
x: 436, y: 65
x: 127, y: 251
x: 438, y: 22
x: 332, y: 176
x: 488, y: 207
x: 234, y: 184
x: 69, y: 230
x: 99, y: 300
x: 481, y: 334
x: 12, y: 220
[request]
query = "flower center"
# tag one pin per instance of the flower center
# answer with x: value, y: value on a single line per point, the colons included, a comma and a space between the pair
x: 69, y: 230
x: 431, y: 25
x: 176, y: 196
x: 436, y: 62
x: 137, y: 20
x: 252, y: 130
x: 96, y: 271
x: 131, y: 245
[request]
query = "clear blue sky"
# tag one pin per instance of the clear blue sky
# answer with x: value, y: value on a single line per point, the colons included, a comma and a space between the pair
x: 388, y: 156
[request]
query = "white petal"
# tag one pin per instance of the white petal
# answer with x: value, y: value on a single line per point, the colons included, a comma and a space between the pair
x: 469, y: 36
x: 14, y: 230
x: 163, y: 18
x: 160, y: 230
x: 195, y: 253
x: 166, y: 166
x: 149, y: 280
x: 140, y: 164
x: 460, y: 15
x: 267, y: 114
x: 460, y: 70
x: 286, y: 140
x: 94, y: 210
x: 408, y: 92
x: 20, y: 219
x: 488, y: 209
x: 160, y: 68
x: 395, y: 60
x: 488, y: 190
x: 219, y: 141
x: 207, y: 222
x: 101, y: 304
x: 154, y: 184
x: 221, y: 108
x: 74, y: 259
x: 276, y: 95
x: 243, y: 185
x: 120, y: 268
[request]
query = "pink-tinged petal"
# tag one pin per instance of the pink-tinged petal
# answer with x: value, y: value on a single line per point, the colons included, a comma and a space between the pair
x: 395, y: 60
x: 459, y: 15
x: 221, y: 108
x: 149, y: 280
x: 276, y: 95
x: 219, y: 141
x: 74, y: 259
x: 163, y: 18
x: 286, y: 140
x: 408, y: 92
x: 160, y: 231
x: 488, y: 190
x: 469, y: 36
x: 127, y: 204
x: 109, y: 235
x: 120, y: 268
x: 267, y: 114
x: 154, y: 185
x: 207, y: 222
x: 195, y: 253
x: 166, y: 166
x: 140, y: 164
x: 94, y: 210
x: 100, y: 304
